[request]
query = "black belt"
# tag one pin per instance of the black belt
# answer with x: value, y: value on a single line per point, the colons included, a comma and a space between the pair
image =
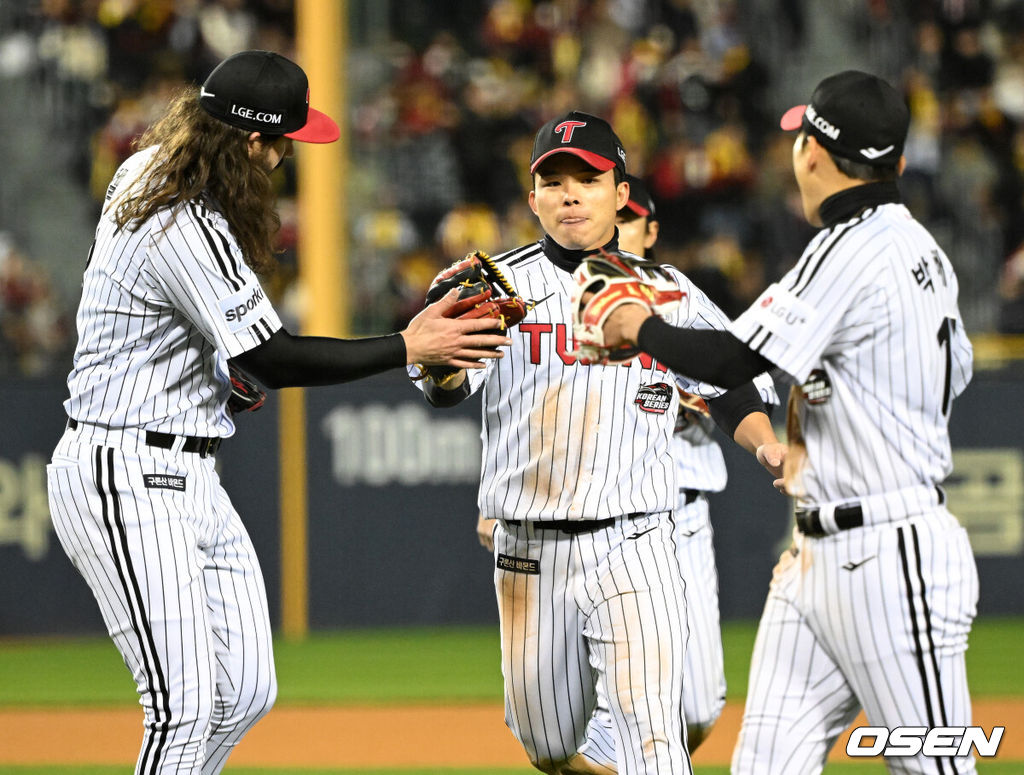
x: 691, y: 495
x: 204, y: 446
x: 846, y: 517
x: 573, y: 526
x: 809, y: 520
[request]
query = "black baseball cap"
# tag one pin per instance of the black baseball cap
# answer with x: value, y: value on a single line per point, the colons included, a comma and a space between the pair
x: 855, y: 115
x: 261, y: 91
x: 640, y: 201
x: 583, y: 135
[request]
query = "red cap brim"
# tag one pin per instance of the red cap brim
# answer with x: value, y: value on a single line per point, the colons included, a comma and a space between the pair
x: 319, y: 128
x: 637, y: 208
x: 595, y: 161
x: 793, y: 118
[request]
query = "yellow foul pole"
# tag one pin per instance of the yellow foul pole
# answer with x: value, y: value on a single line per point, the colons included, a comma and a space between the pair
x: 322, y: 38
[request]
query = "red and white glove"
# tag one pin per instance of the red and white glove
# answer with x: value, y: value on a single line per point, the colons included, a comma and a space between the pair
x: 605, y: 282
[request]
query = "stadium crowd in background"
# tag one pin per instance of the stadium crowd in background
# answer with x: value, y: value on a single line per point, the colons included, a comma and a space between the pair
x: 445, y: 98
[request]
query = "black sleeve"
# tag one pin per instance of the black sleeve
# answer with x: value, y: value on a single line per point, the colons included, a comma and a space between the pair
x: 442, y: 398
x: 729, y: 409
x: 711, y: 356
x: 299, y: 361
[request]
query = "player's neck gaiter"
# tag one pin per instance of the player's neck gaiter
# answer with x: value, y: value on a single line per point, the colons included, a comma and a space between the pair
x: 567, y: 260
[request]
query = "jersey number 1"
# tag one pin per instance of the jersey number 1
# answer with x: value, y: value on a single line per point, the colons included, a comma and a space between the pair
x: 946, y: 340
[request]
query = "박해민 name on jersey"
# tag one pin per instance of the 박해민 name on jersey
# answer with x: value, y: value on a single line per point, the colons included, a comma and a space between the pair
x: 782, y: 313
x: 245, y: 307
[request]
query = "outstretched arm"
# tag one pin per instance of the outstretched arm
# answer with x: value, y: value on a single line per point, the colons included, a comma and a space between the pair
x: 741, y: 415
x: 285, y: 360
x: 711, y: 356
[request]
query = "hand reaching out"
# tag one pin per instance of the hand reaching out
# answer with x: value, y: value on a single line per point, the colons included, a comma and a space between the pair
x: 773, y: 456
x: 435, y: 340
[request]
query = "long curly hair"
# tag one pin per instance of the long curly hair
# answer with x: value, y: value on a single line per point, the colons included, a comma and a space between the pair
x: 200, y: 157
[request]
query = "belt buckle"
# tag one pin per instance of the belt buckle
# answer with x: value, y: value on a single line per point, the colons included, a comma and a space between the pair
x: 208, y: 446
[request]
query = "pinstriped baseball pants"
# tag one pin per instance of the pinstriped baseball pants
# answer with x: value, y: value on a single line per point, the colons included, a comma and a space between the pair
x: 874, y: 618
x: 577, y: 608
x: 703, y: 667
x: 179, y: 588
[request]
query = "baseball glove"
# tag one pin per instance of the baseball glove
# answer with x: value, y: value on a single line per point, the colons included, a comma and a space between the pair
x: 483, y: 293
x: 246, y: 395
x: 605, y: 282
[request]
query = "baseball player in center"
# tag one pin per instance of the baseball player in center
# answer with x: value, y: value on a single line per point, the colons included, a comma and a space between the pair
x: 577, y: 470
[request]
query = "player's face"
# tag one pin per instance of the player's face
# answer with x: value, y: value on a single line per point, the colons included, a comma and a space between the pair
x: 636, y: 233
x: 575, y: 203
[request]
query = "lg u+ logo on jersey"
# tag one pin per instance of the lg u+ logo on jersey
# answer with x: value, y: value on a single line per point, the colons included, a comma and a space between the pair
x: 911, y: 741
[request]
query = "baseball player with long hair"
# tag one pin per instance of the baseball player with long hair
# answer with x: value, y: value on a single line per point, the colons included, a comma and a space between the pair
x: 170, y: 299
x: 872, y: 606
x: 577, y: 471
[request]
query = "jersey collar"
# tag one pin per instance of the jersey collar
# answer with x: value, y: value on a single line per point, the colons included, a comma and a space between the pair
x: 847, y: 203
x: 567, y: 260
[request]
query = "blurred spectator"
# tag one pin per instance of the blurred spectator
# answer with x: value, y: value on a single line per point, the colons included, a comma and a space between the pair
x: 445, y: 98
x: 1011, y: 294
x: 34, y: 329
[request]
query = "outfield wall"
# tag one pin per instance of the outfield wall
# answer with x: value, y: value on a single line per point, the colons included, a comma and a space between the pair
x: 392, y: 502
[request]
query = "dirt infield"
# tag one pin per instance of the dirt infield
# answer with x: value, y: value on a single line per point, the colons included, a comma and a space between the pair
x: 401, y: 736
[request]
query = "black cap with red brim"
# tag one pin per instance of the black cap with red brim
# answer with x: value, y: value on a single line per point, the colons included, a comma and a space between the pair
x: 588, y: 137
x: 640, y: 201
x: 855, y: 115
x: 261, y: 91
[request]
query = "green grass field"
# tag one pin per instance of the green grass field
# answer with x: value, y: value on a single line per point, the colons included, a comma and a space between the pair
x: 415, y: 665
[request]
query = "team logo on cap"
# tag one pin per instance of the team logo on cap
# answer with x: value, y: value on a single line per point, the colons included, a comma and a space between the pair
x: 566, y: 128
x: 823, y: 125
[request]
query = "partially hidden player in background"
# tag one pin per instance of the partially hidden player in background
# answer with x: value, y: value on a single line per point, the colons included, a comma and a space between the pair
x: 872, y: 606
x: 171, y: 298
x: 576, y: 468
x: 700, y: 469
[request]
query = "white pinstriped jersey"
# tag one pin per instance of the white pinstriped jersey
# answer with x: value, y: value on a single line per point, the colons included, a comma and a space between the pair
x: 699, y: 461
x: 868, y: 322
x: 565, y: 441
x: 162, y: 309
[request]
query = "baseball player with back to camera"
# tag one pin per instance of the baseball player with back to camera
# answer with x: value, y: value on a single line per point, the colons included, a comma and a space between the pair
x: 170, y: 300
x: 872, y: 606
x: 700, y: 469
x: 577, y: 471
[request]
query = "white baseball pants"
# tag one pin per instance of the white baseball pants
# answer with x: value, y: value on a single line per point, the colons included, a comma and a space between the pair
x: 603, y: 605
x: 179, y: 587
x: 875, y: 618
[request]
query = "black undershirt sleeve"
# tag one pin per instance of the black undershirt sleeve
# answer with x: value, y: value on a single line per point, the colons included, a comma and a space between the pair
x: 442, y: 398
x: 711, y: 356
x: 729, y: 409
x: 300, y: 361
